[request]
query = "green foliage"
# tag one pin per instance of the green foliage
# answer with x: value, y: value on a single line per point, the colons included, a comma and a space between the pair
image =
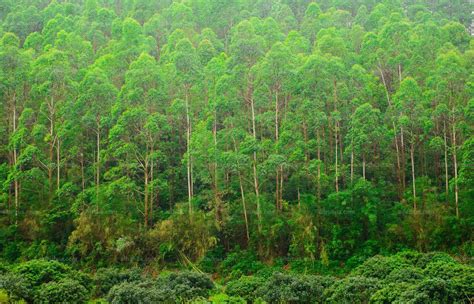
x: 37, y: 274
x: 238, y: 138
x: 282, y: 288
x: 245, y: 287
x: 353, y: 289
x: 16, y: 286
x: 106, y: 278
x: 177, y: 287
x: 63, y: 291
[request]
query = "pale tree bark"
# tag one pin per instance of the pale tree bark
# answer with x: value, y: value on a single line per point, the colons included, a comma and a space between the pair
x: 97, y: 170
x: 188, y: 151
x: 401, y: 179
x: 242, y: 194
x: 412, y: 151
x: 446, y: 178
x: 363, y: 165
x: 254, y: 164
x: 15, y: 163
x: 455, y: 161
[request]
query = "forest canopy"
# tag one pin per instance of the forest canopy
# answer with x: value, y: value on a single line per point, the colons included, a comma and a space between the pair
x: 207, y: 133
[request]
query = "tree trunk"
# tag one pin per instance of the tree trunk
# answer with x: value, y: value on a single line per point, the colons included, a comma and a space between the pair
x: 145, y: 219
x: 255, y: 176
x: 412, y: 150
x: 15, y: 164
x: 446, y: 178
x: 97, y: 183
x: 58, y: 167
x: 352, y: 165
x: 456, y: 193
x: 188, y: 140
x: 363, y: 165
x: 242, y: 194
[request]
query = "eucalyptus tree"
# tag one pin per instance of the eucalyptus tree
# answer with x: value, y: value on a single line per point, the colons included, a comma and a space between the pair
x: 96, y: 97
x: 15, y: 64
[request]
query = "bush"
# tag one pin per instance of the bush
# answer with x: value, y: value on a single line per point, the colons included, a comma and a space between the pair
x: 432, y: 257
x: 244, y: 262
x: 428, y: 291
x: 460, y: 277
x: 380, y: 267
x: 106, y: 278
x: 222, y: 298
x: 188, y: 285
x: 15, y: 286
x: 353, y: 289
x: 35, y: 273
x: 139, y: 293
x: 390, y: 293
x: 245, y: 287
x: 293, y: 289
x: 408, y: 274
x: 65, y: 291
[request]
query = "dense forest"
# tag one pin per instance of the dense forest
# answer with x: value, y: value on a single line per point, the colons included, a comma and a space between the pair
x: 287, y: 138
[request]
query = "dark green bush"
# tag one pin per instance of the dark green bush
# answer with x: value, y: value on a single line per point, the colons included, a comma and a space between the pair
x: 35, y: 273
x: 15, y: 286
x: 389, y: 293
x: 175, y: 288
x: 245, y: 287
x: 244, y: 262
x: 460, y: 277
x: 65, y: 291
x: 429, y: 291
x: 408, y: 274
x: 139, y: 293
x: 380, y: 267
x: 432, y: 257
x: 106, y: 278
x: 283, y: 288
x: 188, y: 285
x: 353, y: 289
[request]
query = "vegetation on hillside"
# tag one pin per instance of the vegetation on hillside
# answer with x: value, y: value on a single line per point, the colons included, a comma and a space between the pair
x: 231, y: 137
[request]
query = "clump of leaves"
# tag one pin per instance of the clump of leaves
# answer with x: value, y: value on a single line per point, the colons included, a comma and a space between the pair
x: 64, y: 291
x: 283, y: 288
x: 106, y: 278
x: 353, y: 289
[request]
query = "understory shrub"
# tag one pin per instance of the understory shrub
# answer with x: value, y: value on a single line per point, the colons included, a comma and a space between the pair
x: 352, y: 289
x: 37, y: 273
x: 245, y: 287
x: 15, y: 286
x: 106, y: 278
x: 65, y: 291
x: 175, y: 288
x: 283, y: 288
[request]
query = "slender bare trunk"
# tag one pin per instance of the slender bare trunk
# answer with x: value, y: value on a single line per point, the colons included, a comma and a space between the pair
x: 242, y: 194
x: 15, y: 164
x: 83, y: 178
x: 58, y: 164
x: 412, y: 150
x: 456, y: 192
x: 188, y: 142
x: 446, y: 178
x: 319, y: 168
x: 363, y: 165
x: 97, y: 183
x: 150, y: 218
x: 335, y: 138
x: 401, y: 177
x: 145, y: 175
x: 255, y: 176
x: 352, y: 165
x: 403, y: 158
